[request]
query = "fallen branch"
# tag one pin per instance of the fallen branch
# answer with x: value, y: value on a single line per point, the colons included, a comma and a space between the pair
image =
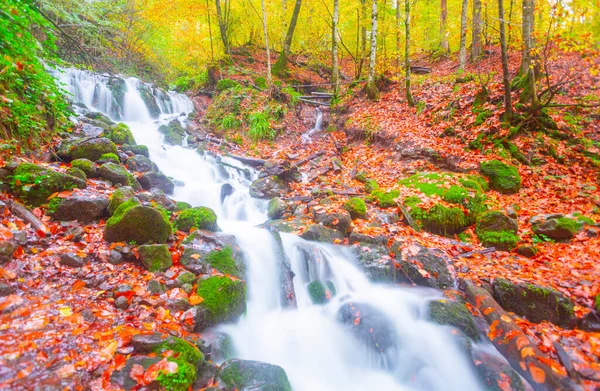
x: 24, y: 214
x: 312, y: 102
x: 409, y: 219
x: 249, y: 161
x: 315, y: 155
x: 321, y: 171
x: 471, y: 253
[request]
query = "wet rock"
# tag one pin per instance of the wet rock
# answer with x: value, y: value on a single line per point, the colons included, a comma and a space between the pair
x: 224, y: 301
x: 424, y: 267
x: 535, y: 302
x: 355, y: 237
x: 121, y: 303
x: 453, y: 314
x: 204, y: 251
x: 186, y: 278
x: 268, y: 188
x: 199, y: 218
x: 340, y: 221
x: 84, y: 208
x: 502, y: 177
x: 139, y: 163
x: 157, y: 196
x: 245, y: 375
x: 497, y: 375
x: 498, y: 230
x: 206, y: 372
x: 356, y: 207
x: 87, y: 166
x: 590, y: 322
x: 377, y: 263
x: 118, y: 197
x: 159, y: 180
x: 174, y: 133
x: 122, y: 378
x: 318, y: 233
x: 6, y: 289
x: 135, y: 223
x: 155, y: 257
x: 159, y: 343
x: 72, y: 260
x: 7, y: 249
x: 36, y: 183
x: 283, y: 225
x: 555, y: 226
x: 527, y: 251
x: 20, y: 237
x: 118, y: 174
x: 91, y: 149
x: 77, y: 173
x: 120, y: 134
x: 136, y: 150
x: 321, y: 292
x: 276, y: 208
x: 115, y: 258
x: 226, y: 190
x: 155, y: 287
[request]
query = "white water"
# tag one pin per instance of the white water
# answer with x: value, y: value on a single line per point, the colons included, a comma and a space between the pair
x: 307, y: 137
x: 316, y: 350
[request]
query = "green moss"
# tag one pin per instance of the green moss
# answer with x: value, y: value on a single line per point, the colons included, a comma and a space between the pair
x: 140, y: 224
x: 386, y: 199
x: 77, y: 173
x: 199, y: 218
x: 227, y: 84
x: 597, y: 303
x: 118, y: 197
x: 223, y: 297
x: 237, y: 376
x: 356, y: 207
x: 156, y: 257
x: 120, y: 134
x: 453, y: 314
x: 371, y: 185
x: 260, y: 82
x: 503, y: 240
x: 53, y: 205
x: 583, y: 219
x: 185, y: 350
x: 361, y: 176
x: 110, y: 157
x: 568, y: 224
x: 482, y: 117
x: 502, y: 177
x: 180, y: 206
x: 224, y: 262
x: 181, y: 380
x: 34, y: 184
x: 321, y: 292
x: 85, y: 165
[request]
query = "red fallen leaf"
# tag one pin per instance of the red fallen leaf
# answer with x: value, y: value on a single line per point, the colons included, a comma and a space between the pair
x: 38, y: 213
x: 19, y: 65
x: 19, y: 252
x: 137, y: 374
x: 120, y: 361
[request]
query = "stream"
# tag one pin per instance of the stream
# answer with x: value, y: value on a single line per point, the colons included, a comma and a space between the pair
x: 317, y: 351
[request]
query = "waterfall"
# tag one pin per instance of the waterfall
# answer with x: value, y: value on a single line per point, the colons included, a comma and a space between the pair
x: 307, y: 137
x: 311, y: 342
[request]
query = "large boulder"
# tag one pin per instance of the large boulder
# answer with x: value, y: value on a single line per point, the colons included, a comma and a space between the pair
x: 276, y: 208
x: 496, y: 229
x: 555, y: 226
x: 503, y: 177
x: 155, y: 257
x: 159, y: 180
x: 443, y: 203
x: 536, y: 303
x: 34, y: 184
x: 318, y: 233
x: 453, y: 314
x: 118, y: 197
x: 224, y: 300
x: 244, y: 375
x: 118, y: 174
x: 425, y: 267
x: 91, y: 149
x: 84, y: 208
x: 267, y: 188
x: 132, y: 222
x: 120, y: 134
x: 205, y: 251
x: 340, y: 221
x: 139, y: 163
x: 198, y: 218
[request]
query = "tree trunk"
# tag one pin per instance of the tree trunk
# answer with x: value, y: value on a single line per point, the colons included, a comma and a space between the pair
x: 222, y: 26
x: 265, y: 31
x: 463, y: 36
x: 371, y: 86
x: 505, y: 72
x: 334, y: 49
x: 279, y: 67
x: 527, y: 35
x: 443, y: 26
x: 398, y: 37
x: 409, y: 97
x: 212, y: 49
x: 476, y: 40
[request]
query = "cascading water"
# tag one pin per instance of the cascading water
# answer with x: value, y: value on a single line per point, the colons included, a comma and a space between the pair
x: 307, y: 137
x: 311, y: 342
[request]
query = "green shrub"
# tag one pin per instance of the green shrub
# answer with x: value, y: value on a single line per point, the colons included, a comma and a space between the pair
x: 260, y: 126
x: 227, y: 84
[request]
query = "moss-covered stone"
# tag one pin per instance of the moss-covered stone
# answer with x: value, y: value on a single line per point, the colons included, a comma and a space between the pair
x: 181, y: 206
x: 535, y: 302
x: 245, y: 375
x: 385, y: 199
x: 118, y: 174
x: 118, y: 197
x: 139, y: 163
x: 371, y: 185
x: 199, y: 218
x: 454, y: 314
x: 120, y: 134
x: 132, y: 222
x: 276, y: 208
x: 87, y: 166
x: 77, y: 173
x: 321, y: 292
x: 136, y: 150
x: 109, y: 157
x: 155, y: 257
x: 186, y: 278
x: 503, y: 177
x: 224, y: 262
x: 361, y: 176
x: 158, y: 180
x: 318, y: 233
x: 34, y: 184
x: 496, y: 229
x: 224, y: 300
x: 268, y: 187
x: 179, y: 380
x: 502, y: 241
x: 356, y: 207
x: 91, y: 149
x: 555, y: 227
x: 155, y: 287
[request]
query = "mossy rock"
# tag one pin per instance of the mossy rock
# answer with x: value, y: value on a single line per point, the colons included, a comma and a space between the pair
x: 276, y: 208
x: 356, y: 207
x: 122, y: 378
x: 118, y: 197
x: 244, y: 375
x: 181, y: 206
x: 91, y: 149
x: 556, y: 227
x: 224, y: 300
x: 318, y: 233
x: 385, y: 199
x: 180, y: 380
x: 199, y: 218
x: 81, y: 207
x: 151, y: 179
x: 132, y: 222
x: 321, y: 292
x: 120, y: 134
x: 501, y: 241
x: 108, y: 158
x: 226, y: 84
x: 536, y: 303
x: 139, y: 163
x: 118, y: 174
x: 77, y: 173
x: 340, y: 220
x: 155, y: 257
x: 503, y: 177
x: 371, y: 185
x: 34, y: 184
x: 87, y: 166
x: 361, y: 176
x: 454, y: 314
x: 496, y: 229
x: 136, y: 150
x: 463, y: 199
x: 268, y: 187
x: 224, y: 262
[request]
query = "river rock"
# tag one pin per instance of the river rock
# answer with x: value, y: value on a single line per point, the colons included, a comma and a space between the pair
x: 276, y: 208
x: 120, y: 134
x: 72, y: 260
x: 118, y: 174
x: 34, y: 184
x: 424, y: 267
x: 118, y: 197
x: 136, y: 150
x: 204, y: 251
x: 155, y: 257
x: 140, y: 224
x: 536, y: 303
x: 77, y: 173
x: 318, y: 233
x: 340, y: 221
x: 453, y: 314
x: 355, y: 237
x: 91, y: 149
x: 321, y: 292
x: 377, y: 264
x: 87, y: 166
x: 139, y: 163
x: 555, y: 226
x: 159, y: 180
x: 7, y: 249
x: 245, y: 375
x: 267, y: 188
x: 496, y: 229
x: 226, y: 190
x: 159, y: 343
x: 174, y: 132
x: 84, y: 208
x: 199, y: 218
x: 496, y: 374
x: 224, y: 301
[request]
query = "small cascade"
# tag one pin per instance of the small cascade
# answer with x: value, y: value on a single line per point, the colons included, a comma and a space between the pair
x: 307, y: 137
x: 321, y: 346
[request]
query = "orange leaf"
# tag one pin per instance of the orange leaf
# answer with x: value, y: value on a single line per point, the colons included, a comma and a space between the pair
x: 537, y: 374
x: 195, y: 299
x: 528, y: 351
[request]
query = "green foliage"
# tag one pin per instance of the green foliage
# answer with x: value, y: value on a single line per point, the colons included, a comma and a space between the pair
x: 357, y: 207
x: 260, y: 82
x: 185, y: 350
x: 110, y: 157
x: 371, y: 185
x: 227, y: 84
x: 260, y: 126
x: 385, y: 199
x: 32, y: 104
x: 482, y: 117
x: 199, y: 218
x: 293, y: 95
x: 53, y: 205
